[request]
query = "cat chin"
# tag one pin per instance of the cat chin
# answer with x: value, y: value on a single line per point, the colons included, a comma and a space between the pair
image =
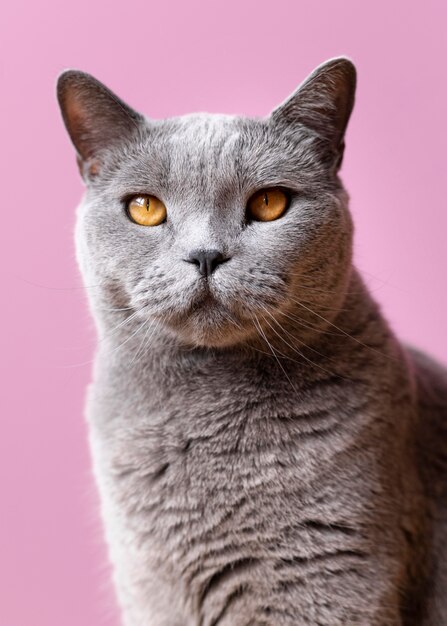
x: 208, y: 333
x: 213, y: 341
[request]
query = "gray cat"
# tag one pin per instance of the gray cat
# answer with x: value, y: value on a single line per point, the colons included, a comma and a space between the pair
x: 266, y: 451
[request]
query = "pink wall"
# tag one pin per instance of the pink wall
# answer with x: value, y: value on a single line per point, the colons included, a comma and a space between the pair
x: 169, y: 58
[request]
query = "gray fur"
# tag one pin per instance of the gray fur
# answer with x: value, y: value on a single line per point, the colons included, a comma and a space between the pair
x: 266, y: 451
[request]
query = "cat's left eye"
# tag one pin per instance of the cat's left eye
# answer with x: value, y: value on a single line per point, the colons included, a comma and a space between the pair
x: 267, y: 205
x: 146, y: 210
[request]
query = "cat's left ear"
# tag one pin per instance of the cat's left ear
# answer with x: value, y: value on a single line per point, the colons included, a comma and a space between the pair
x: 323, y: 103
x: 95, y: 118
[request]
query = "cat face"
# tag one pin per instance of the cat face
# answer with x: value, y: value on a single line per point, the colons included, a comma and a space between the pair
x: 212, y: 272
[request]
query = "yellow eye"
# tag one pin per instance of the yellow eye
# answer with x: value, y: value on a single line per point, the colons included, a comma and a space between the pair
x: 267, y: 205
x: 146, y: 210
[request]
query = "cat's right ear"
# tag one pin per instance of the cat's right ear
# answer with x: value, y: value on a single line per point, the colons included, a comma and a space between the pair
x: 95, y: 118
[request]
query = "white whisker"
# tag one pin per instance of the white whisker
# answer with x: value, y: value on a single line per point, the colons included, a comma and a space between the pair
x: 344, y: 332
x: 152, y: 325
x: 272, y: 351
x: 296, y: 349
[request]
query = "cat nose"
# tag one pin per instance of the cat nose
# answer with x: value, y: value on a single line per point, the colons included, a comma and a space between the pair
x: 206, y: 260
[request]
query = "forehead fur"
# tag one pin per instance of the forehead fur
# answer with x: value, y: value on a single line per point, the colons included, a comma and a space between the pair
x: 202, y: 152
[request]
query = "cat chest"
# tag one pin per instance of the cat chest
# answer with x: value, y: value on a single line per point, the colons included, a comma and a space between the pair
x: 189, y: 500
x: 176, y: 473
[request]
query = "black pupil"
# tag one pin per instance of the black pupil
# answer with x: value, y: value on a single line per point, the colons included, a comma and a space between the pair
x: 147, y: 203
x: 266, y: 198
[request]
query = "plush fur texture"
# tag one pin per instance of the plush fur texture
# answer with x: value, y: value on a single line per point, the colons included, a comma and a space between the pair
x: 266, y: 451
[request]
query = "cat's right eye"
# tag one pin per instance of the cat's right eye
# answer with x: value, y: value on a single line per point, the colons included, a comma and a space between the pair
x: 146, y: 210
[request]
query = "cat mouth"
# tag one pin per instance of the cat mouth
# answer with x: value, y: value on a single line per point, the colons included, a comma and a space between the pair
x: 204, y: 299
x: 207, y: 321
x: 204, y: 295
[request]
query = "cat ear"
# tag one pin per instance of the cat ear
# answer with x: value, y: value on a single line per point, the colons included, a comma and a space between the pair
x: 95, y: 117
x: 323, y: 102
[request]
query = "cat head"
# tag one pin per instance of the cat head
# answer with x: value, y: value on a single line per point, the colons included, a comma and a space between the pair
x: 214, y: 225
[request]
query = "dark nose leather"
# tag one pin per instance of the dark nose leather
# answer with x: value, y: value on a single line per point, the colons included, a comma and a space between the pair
x: 206, y: 260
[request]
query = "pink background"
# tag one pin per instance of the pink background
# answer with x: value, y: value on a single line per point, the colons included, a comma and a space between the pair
x: 167, y: 59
